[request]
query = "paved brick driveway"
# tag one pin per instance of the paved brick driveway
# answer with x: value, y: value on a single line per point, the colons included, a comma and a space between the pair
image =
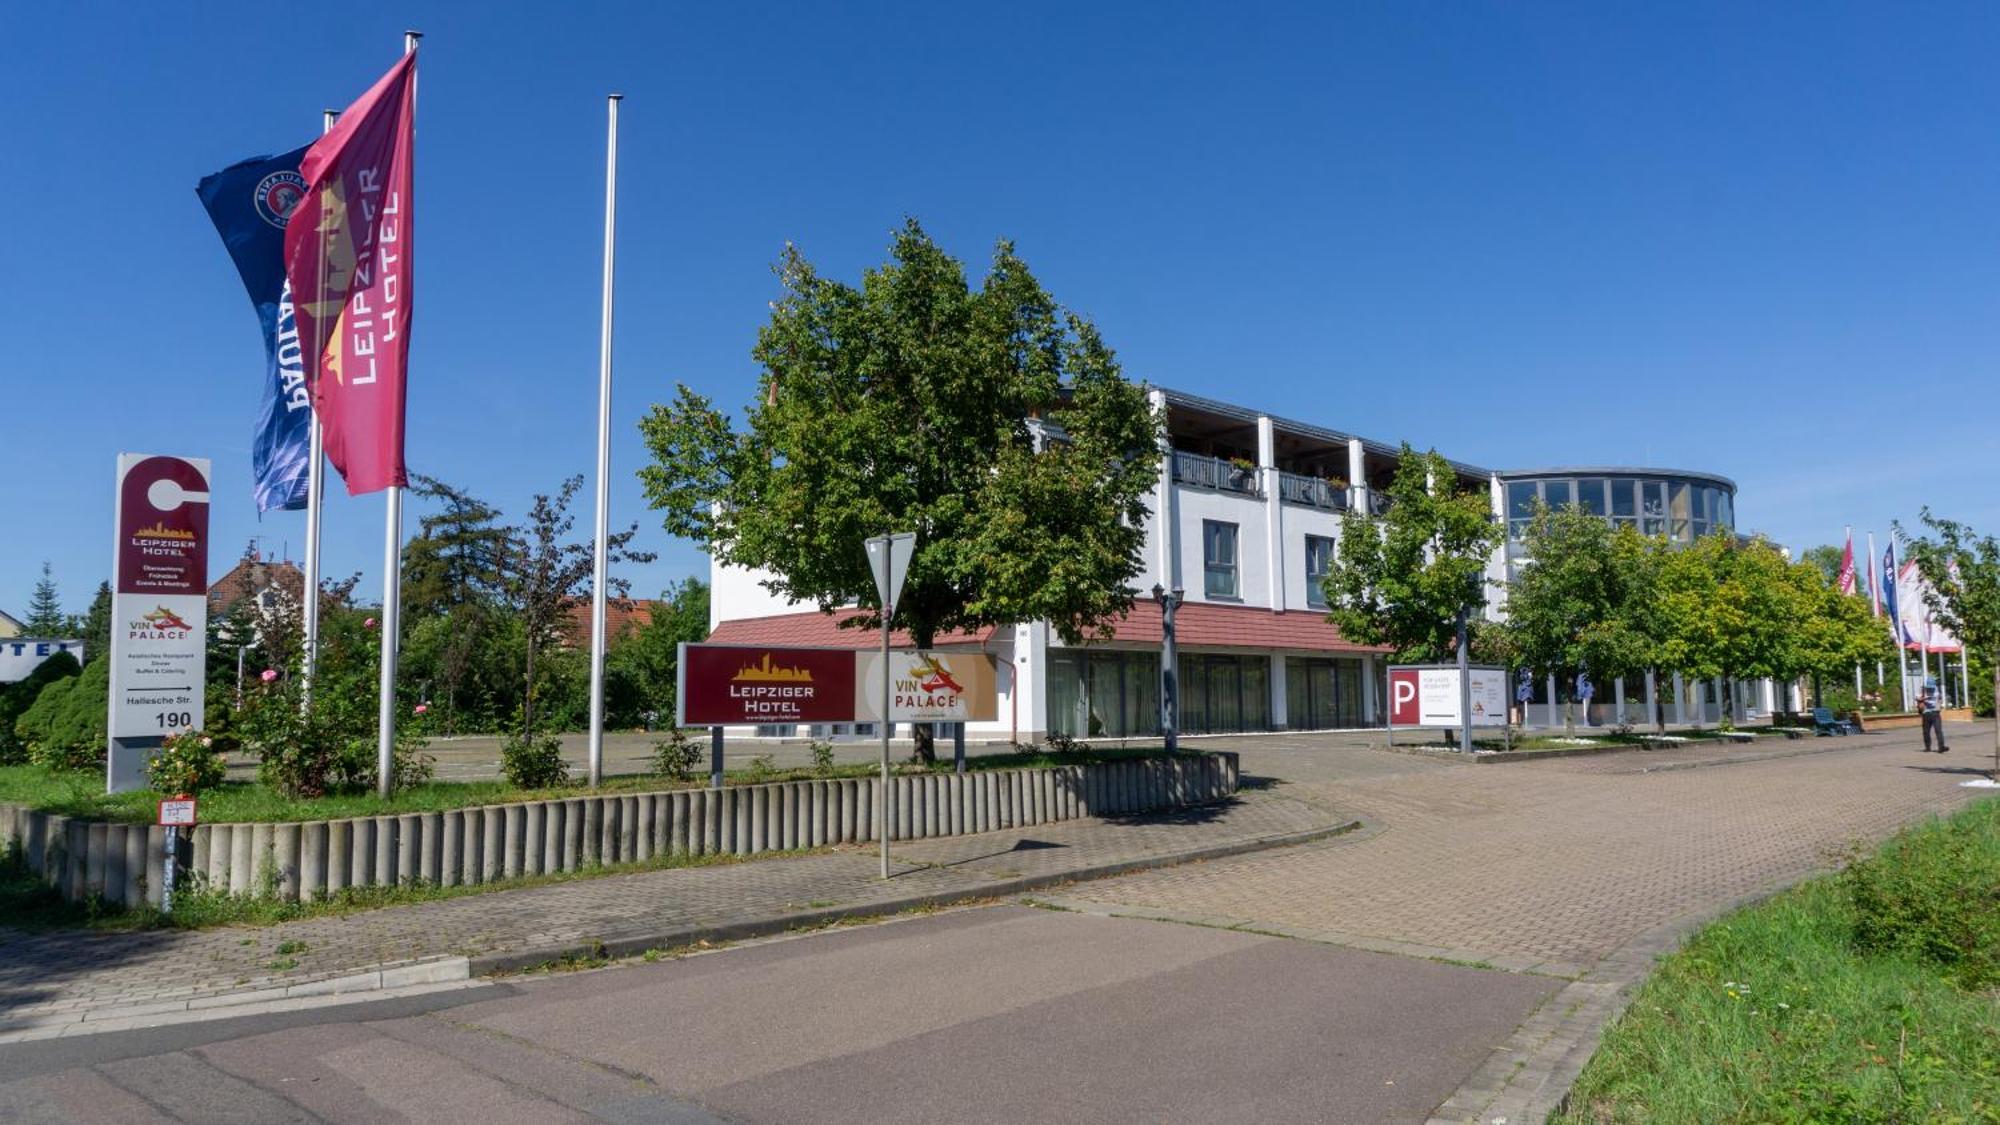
x: 1549, y: 864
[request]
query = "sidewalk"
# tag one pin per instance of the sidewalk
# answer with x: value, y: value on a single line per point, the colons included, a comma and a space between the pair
x: 70, y: 982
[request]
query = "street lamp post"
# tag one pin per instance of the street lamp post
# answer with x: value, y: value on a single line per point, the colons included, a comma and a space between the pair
x: 1170, y: 680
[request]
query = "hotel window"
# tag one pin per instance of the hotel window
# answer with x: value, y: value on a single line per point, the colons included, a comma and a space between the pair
x: 1655, y: 509
x: 1218, y: 559
x: 1520, y: 508
x: 1557, y: 494
x: 1725, y: 512
x: 1319, y: 559
x: 1678, y: 511
x: 1590, y: 494
x: 1624, y: 505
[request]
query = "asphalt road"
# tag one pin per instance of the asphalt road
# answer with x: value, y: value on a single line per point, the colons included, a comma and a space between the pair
x: 996, y: 1014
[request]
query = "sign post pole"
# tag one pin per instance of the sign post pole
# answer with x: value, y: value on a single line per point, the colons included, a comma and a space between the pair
x: 173, y: 814
x: 1464, y: 685
x: 169, y: 861
x: 889, y: 559
x: 882, y: 807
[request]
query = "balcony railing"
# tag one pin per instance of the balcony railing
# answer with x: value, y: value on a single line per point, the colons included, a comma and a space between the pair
x: 1214, y: 472
x: 1313, y: 492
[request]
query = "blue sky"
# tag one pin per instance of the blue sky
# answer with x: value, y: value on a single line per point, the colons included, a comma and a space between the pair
x: 1753, y: 239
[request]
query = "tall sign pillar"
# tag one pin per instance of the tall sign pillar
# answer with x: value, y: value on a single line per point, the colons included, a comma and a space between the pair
x: 159, y: 610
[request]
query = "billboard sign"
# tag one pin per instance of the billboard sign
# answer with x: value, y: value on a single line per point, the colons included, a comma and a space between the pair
x: 20, y: 656
x: 927, y: 687
x: 731, y: 685
x: 159, y: 608
x: 1426, y: 695
x: 722, y: 685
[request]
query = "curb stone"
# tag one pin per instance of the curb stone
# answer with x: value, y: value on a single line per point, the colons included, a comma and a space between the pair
x: 1528, y: 1078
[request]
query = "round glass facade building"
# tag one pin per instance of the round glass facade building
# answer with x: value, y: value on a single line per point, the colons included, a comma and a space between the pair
x: 1678, y: 504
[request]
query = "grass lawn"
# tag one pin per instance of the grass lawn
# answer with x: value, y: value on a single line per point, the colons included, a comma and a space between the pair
x: 1872, y: 995
x: 81, y: 794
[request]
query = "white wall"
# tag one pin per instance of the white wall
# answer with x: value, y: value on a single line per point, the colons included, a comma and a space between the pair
x: 735, y: 593
x: 1300, y: 522
x: 1247, y: 513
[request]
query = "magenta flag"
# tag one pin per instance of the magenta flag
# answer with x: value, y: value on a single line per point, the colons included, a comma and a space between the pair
x: 1847, y: 566
x: 347, y: 256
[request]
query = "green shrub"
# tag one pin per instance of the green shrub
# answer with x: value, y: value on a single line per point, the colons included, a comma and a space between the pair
x: 1933, y: 894
x: 186, y: 764
x: 762, y: 769
x: 64, y: 727
x: 822, y: 753
x: 534, y: 761
x: 677, y: 756
x: 16, y: 698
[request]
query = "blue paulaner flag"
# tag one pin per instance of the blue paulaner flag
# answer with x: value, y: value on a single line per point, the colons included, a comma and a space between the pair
x: 250, y: 203
x: 1889, y: 593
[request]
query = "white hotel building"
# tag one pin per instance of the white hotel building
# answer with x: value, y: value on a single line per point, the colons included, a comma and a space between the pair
x: 1247, y: 509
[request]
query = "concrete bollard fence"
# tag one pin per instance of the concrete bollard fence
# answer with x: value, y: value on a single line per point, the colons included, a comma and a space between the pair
x: 121, y: 863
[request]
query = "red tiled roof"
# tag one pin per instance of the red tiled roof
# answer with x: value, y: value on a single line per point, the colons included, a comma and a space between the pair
x: 822, y: 630
x: 250, y: 577
x: 622, y: 617
x: 1238, y: 626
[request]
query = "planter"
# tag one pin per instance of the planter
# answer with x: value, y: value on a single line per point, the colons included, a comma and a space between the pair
x: 120, y: 863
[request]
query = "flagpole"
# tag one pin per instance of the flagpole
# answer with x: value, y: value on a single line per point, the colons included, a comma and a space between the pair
x: 315, y: 496
x: 392, y: 575
x: 598, y: 568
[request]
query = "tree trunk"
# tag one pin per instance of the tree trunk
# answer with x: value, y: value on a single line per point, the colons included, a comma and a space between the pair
x: 528, y: 695
x: 921, y: 735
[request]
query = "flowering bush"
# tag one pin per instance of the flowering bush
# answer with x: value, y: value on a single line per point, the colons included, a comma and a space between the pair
x: 187, y: 763
x: 327, y: 746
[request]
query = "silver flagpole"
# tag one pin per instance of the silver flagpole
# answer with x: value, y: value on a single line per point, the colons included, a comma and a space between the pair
x: 392, y: 576
x: 315, y: 495
x: 597, y: 587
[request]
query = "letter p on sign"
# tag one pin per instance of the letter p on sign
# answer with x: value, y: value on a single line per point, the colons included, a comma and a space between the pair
x: 1403, y: 708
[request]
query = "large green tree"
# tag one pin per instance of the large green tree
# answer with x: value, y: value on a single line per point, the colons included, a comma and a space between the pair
x: 988, y: 420
x: 550, y: 572
x: 460, y: 553
x: 1833, y: 633
x: 460, y: 647
x: 45, y: 616
x: 1402, y: 579
x: 1963, y: 570
x: 1585, y: 597
x: 95, y: 629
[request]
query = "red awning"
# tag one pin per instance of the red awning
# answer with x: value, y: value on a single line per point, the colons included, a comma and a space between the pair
x: 814, y: 629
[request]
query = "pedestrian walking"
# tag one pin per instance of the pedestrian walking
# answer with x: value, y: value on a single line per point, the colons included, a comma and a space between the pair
x: 1933, y: 718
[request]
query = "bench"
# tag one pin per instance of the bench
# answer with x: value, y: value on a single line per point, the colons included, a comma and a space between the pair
x: 1824, y: 723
